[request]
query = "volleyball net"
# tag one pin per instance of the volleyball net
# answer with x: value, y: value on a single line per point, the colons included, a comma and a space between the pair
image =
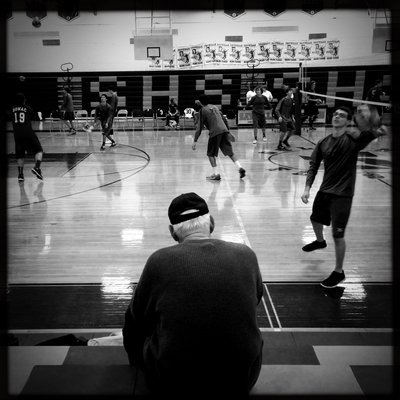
x: 357, y: 101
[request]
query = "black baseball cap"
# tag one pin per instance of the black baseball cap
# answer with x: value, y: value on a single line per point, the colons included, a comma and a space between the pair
x: 185, y: 202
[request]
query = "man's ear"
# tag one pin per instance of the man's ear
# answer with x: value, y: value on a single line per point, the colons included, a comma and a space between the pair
x: 173, y: 234
x: 212, y: 224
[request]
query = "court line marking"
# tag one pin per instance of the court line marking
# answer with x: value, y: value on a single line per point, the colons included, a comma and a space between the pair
x: 137, y: 170
x: 267, y: 312
x: 273, y: 307
x: 242, y: 228
x: 234, y: 206
x: 77, y: 163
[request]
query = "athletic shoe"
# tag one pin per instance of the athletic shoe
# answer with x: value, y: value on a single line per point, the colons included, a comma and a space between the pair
x: 113, y: 144
x: 255, y: 141
x: 37, y: 172
x: 314, y: 245
x: 87, y: 129
x: 72, y: 132
x: 102, y: 147
x: 21, y: 177
x: 177, y: 127
x: 242, y: 173
x: 333, y: 280
x: 280, y: 147
x: 264, y: 139
x: 214, y: 177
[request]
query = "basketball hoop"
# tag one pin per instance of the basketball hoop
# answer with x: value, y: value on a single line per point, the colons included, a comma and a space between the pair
x: 252, y: 63
x: 66, y: 67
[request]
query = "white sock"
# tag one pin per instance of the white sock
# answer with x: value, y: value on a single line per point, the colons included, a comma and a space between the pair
x: 238, y: 164
x: 215, y: 170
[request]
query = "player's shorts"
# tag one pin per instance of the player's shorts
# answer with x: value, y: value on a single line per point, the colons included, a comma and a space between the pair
x: 285, y: 126
x: 104, y: 129
x: 219, y: 142
x: 68, y: 116
x: 27, y: 144
x: 328, y: 207
x: 258, y: 120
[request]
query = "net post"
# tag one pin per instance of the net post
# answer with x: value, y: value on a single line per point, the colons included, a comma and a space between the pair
x: 297, y: 108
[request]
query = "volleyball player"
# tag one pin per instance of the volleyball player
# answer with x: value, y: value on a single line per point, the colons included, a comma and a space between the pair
x: 219, y: 136
x: 25, y: 137
x: 113, y: 101
x: 285, y: 112
x: 259, y: 103
x: 332, y: 204
x: 104, y: 114
x: 68, y: 106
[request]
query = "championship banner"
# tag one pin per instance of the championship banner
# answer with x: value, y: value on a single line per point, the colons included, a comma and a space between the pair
x: 305, y: 50
x: 263, y: 51
x: 277, y: 52
x: 249, y: 52
x: 291, y: 51
x: 170, y: 64
x: 235, y: 54
x: 196, y: 56
x: 318, y: 50
x: 221, y: 54
x: 183, y: 57
x: 209, y: 53
x: 332, y: 50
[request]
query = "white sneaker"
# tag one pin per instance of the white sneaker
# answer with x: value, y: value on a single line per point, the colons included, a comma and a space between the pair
x: 264, y: 139
x: 87, y: 129
x: 255, y: 141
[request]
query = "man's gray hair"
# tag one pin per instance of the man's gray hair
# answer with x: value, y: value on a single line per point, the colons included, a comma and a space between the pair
x: 192, y: 225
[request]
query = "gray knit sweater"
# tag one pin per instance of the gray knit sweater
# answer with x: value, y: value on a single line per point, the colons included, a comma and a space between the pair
x: 192, y: 320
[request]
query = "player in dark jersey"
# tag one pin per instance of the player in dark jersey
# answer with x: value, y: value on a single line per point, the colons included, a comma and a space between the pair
x: 25, y: 137
x: 338, y: 151
x: 104, y: 114
x: 113, y: 101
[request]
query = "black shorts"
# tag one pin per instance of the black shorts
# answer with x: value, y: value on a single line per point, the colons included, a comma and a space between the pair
x: 68, y: 116
x: 27, y: 144
x: 258, y: 120
x: 285, y: 126
x: 329, y: 207
x: 219, y: 142
x: 106, y: 130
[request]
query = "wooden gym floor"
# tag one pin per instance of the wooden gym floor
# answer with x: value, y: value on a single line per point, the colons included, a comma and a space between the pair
x: 77, y: 242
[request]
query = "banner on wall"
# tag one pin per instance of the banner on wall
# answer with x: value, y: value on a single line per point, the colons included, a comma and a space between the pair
x: 277, y: 51
x: 210, y: 53
x: 235, y: 54
x: 290, y: 52
x: 249, y: 52
x: 332, y: 49
x: 318, y: 50
x: 263, y: 51
x: 240, y: 54
x: 196, y: 56
x: 183, y: 57
x: 305, y: 50
x: 221, y: 53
